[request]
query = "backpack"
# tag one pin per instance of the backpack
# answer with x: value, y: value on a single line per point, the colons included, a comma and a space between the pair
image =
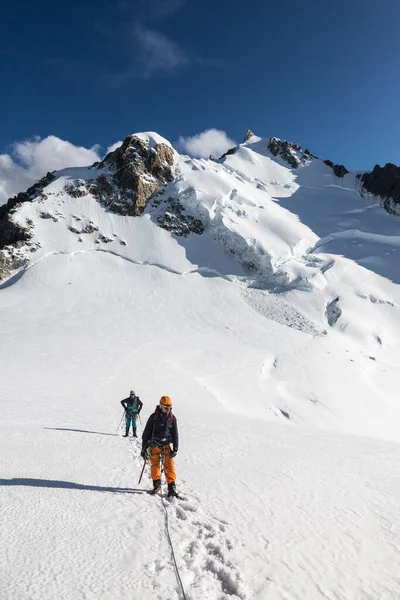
x: 134, y: 405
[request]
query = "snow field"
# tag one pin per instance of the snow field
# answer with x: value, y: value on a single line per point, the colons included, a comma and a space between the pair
x: 276, y: 334
x: 271, y: 511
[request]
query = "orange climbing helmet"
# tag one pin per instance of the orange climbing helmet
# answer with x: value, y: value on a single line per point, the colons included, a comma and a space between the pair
x: 165, y: 401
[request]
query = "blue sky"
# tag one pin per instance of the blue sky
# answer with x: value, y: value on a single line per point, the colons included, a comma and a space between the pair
x: 323, y: 74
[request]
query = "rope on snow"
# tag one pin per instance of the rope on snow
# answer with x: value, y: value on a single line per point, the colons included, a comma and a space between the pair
x: 169, y: 536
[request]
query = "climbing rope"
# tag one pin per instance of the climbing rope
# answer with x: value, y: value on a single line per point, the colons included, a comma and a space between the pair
x: 168, y: 534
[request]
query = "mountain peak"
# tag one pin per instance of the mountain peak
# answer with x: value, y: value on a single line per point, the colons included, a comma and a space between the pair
x: 249, y: 134
x: 133, y: 172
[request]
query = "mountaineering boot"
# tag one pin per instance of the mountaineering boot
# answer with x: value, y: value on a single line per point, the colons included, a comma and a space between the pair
x: 134, y: 432
x: 172, y: 490
x: 156, y: 486
x: 126, y: 432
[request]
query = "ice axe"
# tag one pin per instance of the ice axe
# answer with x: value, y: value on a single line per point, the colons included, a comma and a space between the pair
x: 141, y: 474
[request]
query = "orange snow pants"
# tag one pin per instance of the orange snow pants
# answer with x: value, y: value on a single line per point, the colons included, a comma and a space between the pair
x: 169, y: 466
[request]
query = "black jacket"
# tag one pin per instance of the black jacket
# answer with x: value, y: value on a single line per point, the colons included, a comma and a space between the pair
x: 131, y: 404
x: 161, y: 429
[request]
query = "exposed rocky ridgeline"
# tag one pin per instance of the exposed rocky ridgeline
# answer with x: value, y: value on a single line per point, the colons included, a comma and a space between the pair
x: 289, y: 151
x: 134, y: 178
x: 295, y: 155
x: 292, y: 153
x: 134, y: 172
x: 384, y: 182
x: 14, y: 237
x: 12, y: 234
x: 31, y: 193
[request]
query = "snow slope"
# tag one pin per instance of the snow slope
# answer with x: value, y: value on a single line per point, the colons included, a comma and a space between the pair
x: 277, y: 337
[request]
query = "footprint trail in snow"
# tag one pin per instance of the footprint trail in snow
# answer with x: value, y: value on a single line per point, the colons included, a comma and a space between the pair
x: 202, y: 546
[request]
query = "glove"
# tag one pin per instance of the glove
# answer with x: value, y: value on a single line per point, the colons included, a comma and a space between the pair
x: 174, y: 453
x: 143, y: 453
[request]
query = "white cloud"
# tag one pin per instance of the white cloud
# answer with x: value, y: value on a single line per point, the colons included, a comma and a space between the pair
x: 30, y: 160
x: 211, y: 141
x: 53, y: 153
x: 157, y: 52
x: 113, y: 147
x: 13, y: 178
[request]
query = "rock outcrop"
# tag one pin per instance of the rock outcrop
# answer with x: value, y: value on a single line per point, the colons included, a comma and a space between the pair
x: 291, y: 153
x: 385, y: 183
x: 249, y: 134
x: 14, y: 237
x: 171, y: 215
x: 11, y: 259
x: 229, y: 152
x: 339, y: 170
x: 133, y: 173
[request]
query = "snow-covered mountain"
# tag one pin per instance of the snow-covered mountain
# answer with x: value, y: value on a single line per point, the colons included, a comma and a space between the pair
x: 261, y: 292
x: 298, y: 246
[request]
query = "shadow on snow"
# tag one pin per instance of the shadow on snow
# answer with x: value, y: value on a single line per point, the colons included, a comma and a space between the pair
x: 80, y: 431
x: 70, y: 485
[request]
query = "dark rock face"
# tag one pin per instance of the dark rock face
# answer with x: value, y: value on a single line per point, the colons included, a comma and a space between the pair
x: 173, y: 219
x: 384, y: 182
x: 137, y: 173
x: 295, y: 155
x: 11, y: 233
x: 248, y: 135
x: 13, y: 237
x: 339, y: 170
x: 228, y: 152
x: 287, y: 150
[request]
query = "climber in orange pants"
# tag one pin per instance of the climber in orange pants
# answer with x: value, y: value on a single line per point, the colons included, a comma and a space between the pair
x: 156, y: 454
x: 161, y: 430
